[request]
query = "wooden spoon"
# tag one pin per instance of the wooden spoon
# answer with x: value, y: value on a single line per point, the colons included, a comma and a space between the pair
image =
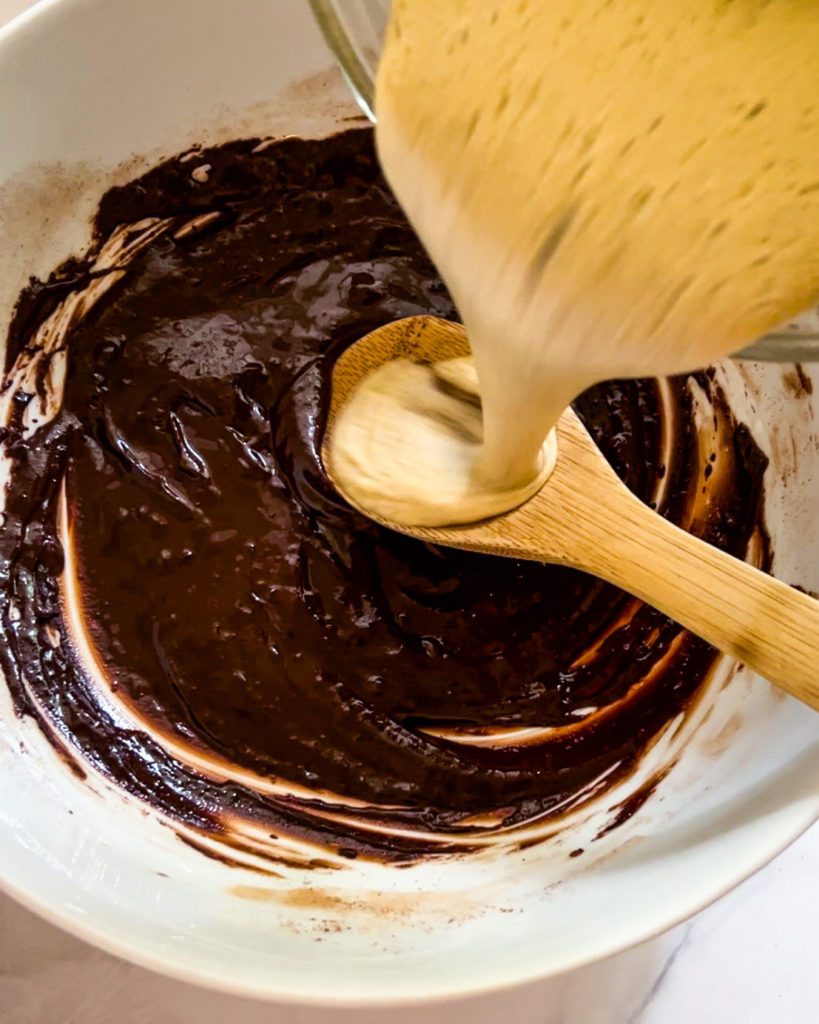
x: 585, y: 517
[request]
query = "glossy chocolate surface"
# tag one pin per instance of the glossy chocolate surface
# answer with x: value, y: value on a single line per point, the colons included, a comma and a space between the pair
x: 240, y: 610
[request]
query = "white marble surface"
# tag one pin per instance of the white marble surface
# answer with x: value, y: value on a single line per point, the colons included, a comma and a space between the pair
x: 753, y: 957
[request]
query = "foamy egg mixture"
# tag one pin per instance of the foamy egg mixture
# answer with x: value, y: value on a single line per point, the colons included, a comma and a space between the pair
x: 609, y: 190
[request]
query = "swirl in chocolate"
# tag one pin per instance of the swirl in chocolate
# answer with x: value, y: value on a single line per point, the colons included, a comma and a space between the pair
x: 189, y: 608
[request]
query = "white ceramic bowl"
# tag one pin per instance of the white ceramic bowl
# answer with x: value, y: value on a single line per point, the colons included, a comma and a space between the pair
x: 93, y: 91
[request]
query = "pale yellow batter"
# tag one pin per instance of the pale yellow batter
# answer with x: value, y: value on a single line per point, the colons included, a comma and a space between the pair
x: 608, y: 189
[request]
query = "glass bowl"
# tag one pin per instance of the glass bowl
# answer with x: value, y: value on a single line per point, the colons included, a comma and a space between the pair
x: 354, y: 31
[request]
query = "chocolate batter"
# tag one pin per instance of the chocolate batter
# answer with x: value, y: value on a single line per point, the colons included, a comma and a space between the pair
x: 240, y: 645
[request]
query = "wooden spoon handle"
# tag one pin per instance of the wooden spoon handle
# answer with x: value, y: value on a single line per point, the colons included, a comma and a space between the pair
x: 742, y: 611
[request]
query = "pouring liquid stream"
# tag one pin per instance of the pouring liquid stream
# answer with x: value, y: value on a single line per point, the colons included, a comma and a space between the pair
x: 608, y: 191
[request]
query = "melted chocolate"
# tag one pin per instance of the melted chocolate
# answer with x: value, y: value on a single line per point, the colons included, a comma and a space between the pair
x: 241, y: 609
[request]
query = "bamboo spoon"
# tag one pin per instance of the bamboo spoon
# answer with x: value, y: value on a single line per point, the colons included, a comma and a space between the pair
x: 585, y: 517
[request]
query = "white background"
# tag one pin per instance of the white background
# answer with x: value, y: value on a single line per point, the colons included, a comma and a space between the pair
x: 751, y: 958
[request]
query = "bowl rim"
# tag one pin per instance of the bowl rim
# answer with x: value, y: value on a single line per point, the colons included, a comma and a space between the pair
x: 181, y: 970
